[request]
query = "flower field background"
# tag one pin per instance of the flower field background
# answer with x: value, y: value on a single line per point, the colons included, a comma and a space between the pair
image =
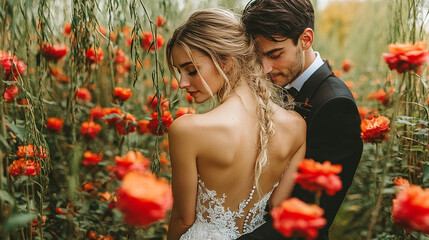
x: 86, y: 102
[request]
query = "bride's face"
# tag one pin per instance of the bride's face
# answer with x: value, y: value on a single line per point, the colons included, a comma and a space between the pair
x: 189, y: 77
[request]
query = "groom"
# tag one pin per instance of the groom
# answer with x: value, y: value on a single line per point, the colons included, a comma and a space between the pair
x: 283, y: 30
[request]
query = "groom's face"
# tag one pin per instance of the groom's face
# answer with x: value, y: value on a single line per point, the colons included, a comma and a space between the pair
x: 281, y: 61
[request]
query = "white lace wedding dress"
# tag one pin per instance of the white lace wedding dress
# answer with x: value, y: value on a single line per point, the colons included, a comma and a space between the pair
x: 215, y: 222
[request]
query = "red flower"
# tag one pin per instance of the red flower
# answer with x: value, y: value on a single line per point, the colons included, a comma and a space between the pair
x: 166, y: 120
x: 406, y: 57
x: 184, y: 110
x: 97, y: 112
x: 55, y: 124
x: 30, y: 151
x: 67, y: 28
x: 122, y: 94
x: 94, y: 55
x: 55, y: 52
x: 132, y: 161
x: 90, y: 158
x: 346, y: 65
x: 375, y: 130
x: 10, y: 93
x: 296, y: 217
x: 411, y: 209
x: 153, y: 102
x: 160, y: 21
x: 83, y: 95
x: 363, y: 112
x: 24, y: 167
x: 8, y: 61
x: 147, y: 41
x: 142, y: 126
x: 90, y: 129
x: 401, y: 183
x: 127, y: 124
x: 189, y: 98
x: 60, y: 211
x: 381, y: 96
x: 315, y: 176
x: 111, y: 120
x: 143, y: 199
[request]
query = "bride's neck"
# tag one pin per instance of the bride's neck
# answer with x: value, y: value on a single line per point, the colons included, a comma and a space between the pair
x: 244, y: 95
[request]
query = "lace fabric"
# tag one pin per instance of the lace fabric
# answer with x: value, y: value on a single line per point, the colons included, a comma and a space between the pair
x: 215, y: 222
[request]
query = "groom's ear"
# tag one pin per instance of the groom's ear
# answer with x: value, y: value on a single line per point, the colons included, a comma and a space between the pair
x: 306, y: 38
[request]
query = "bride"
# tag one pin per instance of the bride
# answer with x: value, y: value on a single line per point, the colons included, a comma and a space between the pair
x: 228, y: 163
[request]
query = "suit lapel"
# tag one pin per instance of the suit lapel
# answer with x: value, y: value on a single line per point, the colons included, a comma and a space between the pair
x: 303, y: 99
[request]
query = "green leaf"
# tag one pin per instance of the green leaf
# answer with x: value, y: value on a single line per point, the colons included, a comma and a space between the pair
x: 425, y: 175
x: 5, y: 196
x: 19, y: 131
x: 17, y: 221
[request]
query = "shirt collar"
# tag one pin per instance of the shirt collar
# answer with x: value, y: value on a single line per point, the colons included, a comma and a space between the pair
x: 301, y: 79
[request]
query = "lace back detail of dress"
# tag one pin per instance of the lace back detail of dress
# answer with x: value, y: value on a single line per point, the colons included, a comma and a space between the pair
x: 215, y: 221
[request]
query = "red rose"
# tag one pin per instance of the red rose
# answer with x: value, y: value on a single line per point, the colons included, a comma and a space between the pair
x: 315, y: 176
x: 127, y: 124
x: 90, y: 158
x: 90, y: 129
x: 375, y: 130
x: 122, y: 94
x: 166, y: 120
x: 24, y: 167
x: 296, y: 217
x: 30, y: 151
x: 97, y: 112
x: 143, y: 126
x: 407, y: 57
x: 143, y: 199
x: 111, y: 120
x: 10, y: 93
x: 83, y: 95
x: 55, y: 124
x: 411, y: 209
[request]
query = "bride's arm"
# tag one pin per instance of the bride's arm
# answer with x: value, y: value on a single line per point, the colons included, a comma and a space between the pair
x: 182, y: 146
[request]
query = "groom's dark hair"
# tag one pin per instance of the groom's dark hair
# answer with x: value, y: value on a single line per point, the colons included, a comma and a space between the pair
x: 286, y: 18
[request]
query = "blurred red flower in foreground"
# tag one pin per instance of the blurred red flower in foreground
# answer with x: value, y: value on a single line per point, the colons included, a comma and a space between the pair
x: 294, y: 216
x: 407, y: 57
x: 30, y: 151
x: 143, y: 199
x: 401, y: 183
x: 132, y: 161
x: 315, y: 177
x: 90, y: 158
x: 10, y: 62
x: 411, y: 209
x: 184, y: 110
x: 67, y: 28
x: 83, y: 95
x: 147, y: 41
x: 166, y: 119
x: 153, y: 101
x: 10, y: 93
x: 90, y: 129
x: 375, y: 130
x: 381, y: 96
x: 25, y: 167
x: 126, y: 124
x: 55, y: 52
x: 122, y: 94
x: 94, y: 55
x: 160, y: 21
x: 189, y: 98
x: 55, y: 124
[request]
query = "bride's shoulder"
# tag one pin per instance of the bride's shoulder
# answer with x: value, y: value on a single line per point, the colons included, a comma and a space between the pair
x: 289, y: 120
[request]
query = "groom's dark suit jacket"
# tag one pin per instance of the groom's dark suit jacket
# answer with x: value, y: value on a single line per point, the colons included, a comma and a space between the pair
x: 333, y: 134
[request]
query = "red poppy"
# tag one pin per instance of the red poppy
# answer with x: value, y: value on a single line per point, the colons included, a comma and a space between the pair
x: 90, y: 158
x: 94, y: 55
x: 142, y: 126
x: 10, y: 93
x: 83, y: 95
x: 30, y: 151
x: 116, y: 114
x: 166, y: 119
x: 122, y: 94
x: 144, y: 199
x: 132, y: 161
x: 55, y: 52
x: 147, y: 41
x: 411, y: 209
x: 55, y: 124
x: 126, y: 124
x: 24, y: 167
x: 407, y: 57
x: 184, y: 110
x: 346, y: 65
x: 160, y: 21
x: 294, y: 216
x: 375, y: 130
x: 90, y: 129
x: 315, y: 176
